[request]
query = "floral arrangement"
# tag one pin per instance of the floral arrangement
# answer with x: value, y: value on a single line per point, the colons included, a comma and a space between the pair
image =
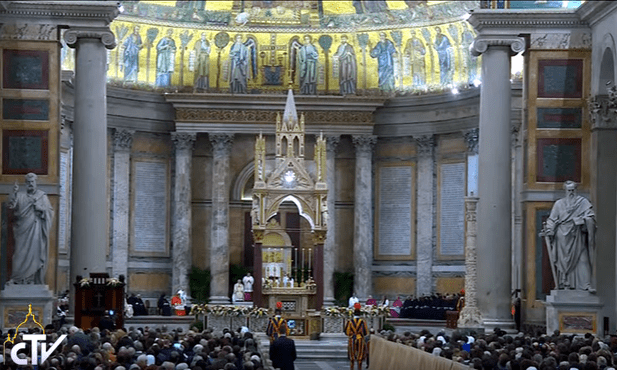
x: 113, y: 282
x: 371, y: 311
x: 85, y: 282
x: 228, y: 311
x: 267, y: 284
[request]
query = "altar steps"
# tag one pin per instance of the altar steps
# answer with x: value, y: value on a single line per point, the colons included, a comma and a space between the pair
x: 317, y: 350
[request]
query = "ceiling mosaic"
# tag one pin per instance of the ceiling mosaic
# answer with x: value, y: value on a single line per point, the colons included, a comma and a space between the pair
x: 319, y: 47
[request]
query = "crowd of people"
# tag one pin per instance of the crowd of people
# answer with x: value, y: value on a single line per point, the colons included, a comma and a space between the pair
x: 497, y: 350
x: 147, y: 349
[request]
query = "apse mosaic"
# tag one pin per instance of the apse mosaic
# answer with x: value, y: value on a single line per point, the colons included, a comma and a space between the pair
x: 321, y: 47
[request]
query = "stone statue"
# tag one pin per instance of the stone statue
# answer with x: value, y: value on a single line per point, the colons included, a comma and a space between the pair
x: 33, y: 214
x: 238, y: 295
x: 570, y: 235
x: 255, y: 210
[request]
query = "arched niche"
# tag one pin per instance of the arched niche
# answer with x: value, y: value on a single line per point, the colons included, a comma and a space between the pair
x: 606, y: 74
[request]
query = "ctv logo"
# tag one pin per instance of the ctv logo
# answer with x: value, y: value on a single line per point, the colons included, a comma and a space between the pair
x: 35, y: 339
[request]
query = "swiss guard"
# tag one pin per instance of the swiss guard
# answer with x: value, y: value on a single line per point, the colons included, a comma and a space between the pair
x: 275, y: 323
x: 356, y: 329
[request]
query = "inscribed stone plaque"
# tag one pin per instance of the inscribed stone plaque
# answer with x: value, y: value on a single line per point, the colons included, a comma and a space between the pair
x: 560, y: 78
x: 395, y: 194
x: 559, y: 117
x: 559, y: 159
x: 452, y: 210
x: 25, y: 69
x: 24, y: 151
x: 25, y: 109
x: 150, y: 212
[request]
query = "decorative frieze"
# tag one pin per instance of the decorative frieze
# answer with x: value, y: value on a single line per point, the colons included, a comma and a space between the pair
x: 29, y: 31
x: 576, y: 39
x: 104, y: 34
x: 263, y: 116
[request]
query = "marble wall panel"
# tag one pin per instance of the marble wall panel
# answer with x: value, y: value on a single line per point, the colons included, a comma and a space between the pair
x: 344, y: 239
x: 155, y: 144
x: 449, y: 284
x: 394, y: 286
x: 149, y: 282
x: 451, y: 144
x: 200, y: 236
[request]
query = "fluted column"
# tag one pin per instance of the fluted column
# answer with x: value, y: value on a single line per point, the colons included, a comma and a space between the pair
x: 181, y: 222
x: 219, y: 232
x: 363, y: 216
x: 89, y: 233
x: 123, y: 140
x: 425, y: 210
x: 330, y: 244
x: 494, y: 180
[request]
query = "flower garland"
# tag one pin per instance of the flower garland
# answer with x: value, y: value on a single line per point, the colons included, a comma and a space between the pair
x: 371, y: 311
x: 85, y: 282
x: 113, y: 282
x: 228, y: 311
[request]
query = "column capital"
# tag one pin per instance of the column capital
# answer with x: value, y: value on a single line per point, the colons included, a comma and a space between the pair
x: 364, y: 143
x: 425, y: 145
x: 104, y: 34
x: 472, y: 138
x: 481, y: 44
x: 332, y: 142
x: 123, y: 139
x: 183, y: 140
x: 221, y: 142
x: 603, y: 110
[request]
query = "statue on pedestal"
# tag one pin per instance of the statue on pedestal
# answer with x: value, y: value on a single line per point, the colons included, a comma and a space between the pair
x: 34, y: 215
x: 570, y: 238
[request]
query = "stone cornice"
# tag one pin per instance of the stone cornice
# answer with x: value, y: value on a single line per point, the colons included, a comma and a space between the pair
x: 92, y: 13
x: 594, y: 11
x: 514, y: 22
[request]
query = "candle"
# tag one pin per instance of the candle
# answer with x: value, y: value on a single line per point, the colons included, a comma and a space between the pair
x: 309, y: 265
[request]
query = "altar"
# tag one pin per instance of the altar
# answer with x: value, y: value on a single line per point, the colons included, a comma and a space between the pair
x: 289, y: 271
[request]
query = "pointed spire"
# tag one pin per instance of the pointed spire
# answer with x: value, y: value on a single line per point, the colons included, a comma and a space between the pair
x: 290, y: 116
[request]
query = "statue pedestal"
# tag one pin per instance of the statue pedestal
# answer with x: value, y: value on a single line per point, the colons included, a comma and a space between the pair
x: 573, y: 312
x: 14, y: 301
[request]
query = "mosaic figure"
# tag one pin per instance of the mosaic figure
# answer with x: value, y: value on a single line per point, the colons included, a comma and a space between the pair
x: 446, y: 57
x: 308, y: 57
x: 132, y: 46
x: 165, y: 60
x: 347, y: 67
x: 384, y: 51
x: 416, y: 52
x: 202, y: 70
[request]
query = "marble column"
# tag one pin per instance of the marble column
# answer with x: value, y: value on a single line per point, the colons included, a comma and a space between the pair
x: 425, y: 214
x: 363, y: 216
x: 494, y: 180
x: 123, y: 140
x: 219, y: 232
x: 181, y: 221
x: 329, y: 253
x: 471, y: 139
x: 90, y: 211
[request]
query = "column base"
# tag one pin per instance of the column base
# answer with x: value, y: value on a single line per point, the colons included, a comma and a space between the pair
x: 219, y: 300
x: 328, y: 301
x: 506, y: 325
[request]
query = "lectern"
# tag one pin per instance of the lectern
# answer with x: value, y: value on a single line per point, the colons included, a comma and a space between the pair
x: 96, y: 295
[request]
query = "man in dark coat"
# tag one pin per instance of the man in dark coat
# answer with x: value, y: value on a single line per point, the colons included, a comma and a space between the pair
x: 283, y: 351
